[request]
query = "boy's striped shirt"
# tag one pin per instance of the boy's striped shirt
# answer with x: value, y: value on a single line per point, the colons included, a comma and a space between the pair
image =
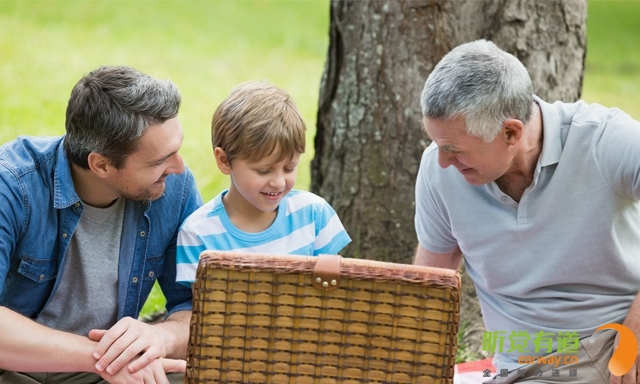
x: 305, y: 225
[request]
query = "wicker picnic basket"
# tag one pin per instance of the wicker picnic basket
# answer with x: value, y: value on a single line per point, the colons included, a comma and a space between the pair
x: 295, y: 319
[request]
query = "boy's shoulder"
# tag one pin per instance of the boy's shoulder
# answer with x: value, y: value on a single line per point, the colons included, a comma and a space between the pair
x: 206, y: 213
x: 298, y: 196
x: 303, y: 202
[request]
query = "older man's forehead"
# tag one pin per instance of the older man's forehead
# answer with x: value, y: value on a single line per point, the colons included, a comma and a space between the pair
x: 447, y: 128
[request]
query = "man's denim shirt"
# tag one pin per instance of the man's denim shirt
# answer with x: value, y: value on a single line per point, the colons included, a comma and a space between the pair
x: 39, y: 211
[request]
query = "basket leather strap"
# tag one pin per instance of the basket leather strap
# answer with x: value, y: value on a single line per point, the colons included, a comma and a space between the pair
x: 326, y: 274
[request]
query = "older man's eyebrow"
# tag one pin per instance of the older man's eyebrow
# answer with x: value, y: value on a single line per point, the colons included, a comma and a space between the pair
x: 448, y: 148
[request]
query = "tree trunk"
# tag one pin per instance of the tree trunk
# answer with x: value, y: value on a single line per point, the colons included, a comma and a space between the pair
x: 369, y: 140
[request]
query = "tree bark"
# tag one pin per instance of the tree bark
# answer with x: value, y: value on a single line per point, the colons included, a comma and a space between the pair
x: 369, y: 139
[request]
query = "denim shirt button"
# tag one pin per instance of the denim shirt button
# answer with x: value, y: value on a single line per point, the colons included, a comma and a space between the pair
x: 134, y: 279
x: 64, y: 235
x: 143, y: 233
x: 77, y: 204
x: 151, y: 274
x: 41, y: 277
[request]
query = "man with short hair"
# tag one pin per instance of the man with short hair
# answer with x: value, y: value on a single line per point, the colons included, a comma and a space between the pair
x: 542, y: 201
x: 88, y: 224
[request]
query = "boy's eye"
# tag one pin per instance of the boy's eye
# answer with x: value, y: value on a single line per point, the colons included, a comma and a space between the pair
x: 289, y: 170
x: 263, y: 171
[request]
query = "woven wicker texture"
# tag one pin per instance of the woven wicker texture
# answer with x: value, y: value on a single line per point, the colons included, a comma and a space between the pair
x: 258, y: 319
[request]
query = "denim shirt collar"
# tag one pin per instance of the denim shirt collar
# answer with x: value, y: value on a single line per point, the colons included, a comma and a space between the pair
x: 64, y: 191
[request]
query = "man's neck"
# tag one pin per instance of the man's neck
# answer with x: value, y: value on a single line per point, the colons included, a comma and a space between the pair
x: 90, y: 188
x: 518, y: 179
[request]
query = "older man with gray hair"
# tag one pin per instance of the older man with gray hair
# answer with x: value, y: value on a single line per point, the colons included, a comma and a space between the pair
x: 541, y: 202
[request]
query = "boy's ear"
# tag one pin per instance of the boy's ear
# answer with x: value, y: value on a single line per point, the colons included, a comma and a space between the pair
x: 99, y: 164
x: 222, y: 160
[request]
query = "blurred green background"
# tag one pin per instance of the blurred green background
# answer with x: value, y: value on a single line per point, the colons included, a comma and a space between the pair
x: 207, y: 47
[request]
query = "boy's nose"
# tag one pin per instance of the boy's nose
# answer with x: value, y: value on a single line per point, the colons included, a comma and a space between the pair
x: 278, y: 182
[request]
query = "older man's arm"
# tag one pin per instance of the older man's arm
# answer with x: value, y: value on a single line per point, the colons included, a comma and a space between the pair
x: 450, y: 260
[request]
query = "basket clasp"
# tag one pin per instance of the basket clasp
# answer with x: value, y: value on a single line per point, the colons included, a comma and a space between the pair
x: 326, y: 274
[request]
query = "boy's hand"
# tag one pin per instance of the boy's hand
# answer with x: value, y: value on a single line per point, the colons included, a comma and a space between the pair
x: 154, y: 373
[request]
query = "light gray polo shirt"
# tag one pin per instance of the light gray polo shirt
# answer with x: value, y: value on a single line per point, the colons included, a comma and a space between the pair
x: 567, y: 256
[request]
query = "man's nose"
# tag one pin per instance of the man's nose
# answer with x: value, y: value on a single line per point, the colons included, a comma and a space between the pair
x: 177, y: 165
x: 446, y: 159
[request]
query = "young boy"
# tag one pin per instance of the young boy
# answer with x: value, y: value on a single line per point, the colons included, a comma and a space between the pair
x: 258, y: 136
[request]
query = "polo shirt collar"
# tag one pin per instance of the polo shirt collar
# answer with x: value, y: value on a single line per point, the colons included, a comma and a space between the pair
x: 551, y: 140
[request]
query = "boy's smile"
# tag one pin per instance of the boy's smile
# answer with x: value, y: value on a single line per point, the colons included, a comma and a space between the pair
x: 273, y: 195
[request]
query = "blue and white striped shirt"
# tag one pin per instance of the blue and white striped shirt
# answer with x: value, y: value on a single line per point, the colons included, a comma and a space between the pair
x: 305, y: 225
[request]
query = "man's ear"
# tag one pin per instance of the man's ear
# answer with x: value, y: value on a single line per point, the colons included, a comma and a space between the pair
x: 222, y: 160
x: 512, y: 131
x: 99, y: 165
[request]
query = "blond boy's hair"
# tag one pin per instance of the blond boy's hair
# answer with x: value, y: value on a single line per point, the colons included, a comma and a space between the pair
x: 254, y: 120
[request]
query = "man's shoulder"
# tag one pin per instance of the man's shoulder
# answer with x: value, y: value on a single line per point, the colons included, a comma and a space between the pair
x: 32, y: 143
x: 601, y: 117
x: 586, y: 126
x: 28, y: 153
x: 584, y: 113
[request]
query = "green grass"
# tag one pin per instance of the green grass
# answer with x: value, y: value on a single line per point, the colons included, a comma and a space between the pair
x: 464, y: 353
x: 612, y: 70
x: 206, y: 47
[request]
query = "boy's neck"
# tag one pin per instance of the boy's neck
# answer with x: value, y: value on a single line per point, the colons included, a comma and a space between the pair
x: 245, y: 216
